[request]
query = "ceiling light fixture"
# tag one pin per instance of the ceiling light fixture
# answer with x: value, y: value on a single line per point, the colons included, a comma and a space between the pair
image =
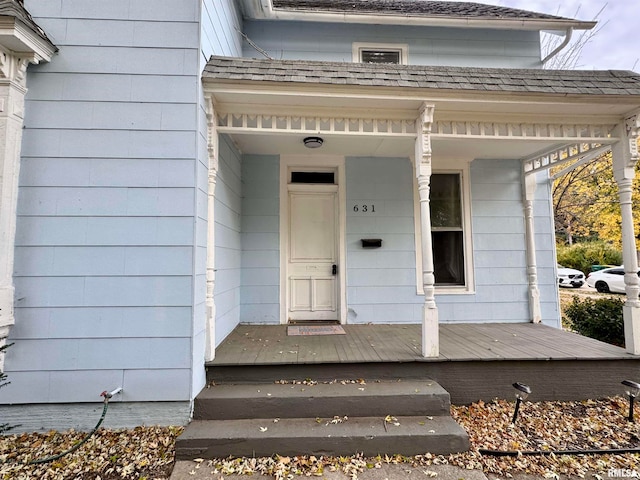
x: 313, y: 142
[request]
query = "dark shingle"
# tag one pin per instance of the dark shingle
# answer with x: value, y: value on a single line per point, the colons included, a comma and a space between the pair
x: 576, y: 82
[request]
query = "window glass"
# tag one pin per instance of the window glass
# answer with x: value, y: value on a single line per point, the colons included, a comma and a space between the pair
x: 448, y: 258
x: 446, y: 208
x: 447, y: 229
x: 313, y: 177
x: 380, y: 56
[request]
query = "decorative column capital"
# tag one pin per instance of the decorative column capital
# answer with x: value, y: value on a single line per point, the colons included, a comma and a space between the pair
x: 14, y: 67
x: 212, y: 140
x: 632, y: 127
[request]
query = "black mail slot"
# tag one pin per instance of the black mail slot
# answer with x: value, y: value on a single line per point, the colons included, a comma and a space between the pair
x: 371, y: 242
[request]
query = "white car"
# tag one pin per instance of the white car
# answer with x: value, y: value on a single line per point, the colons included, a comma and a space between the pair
x: 568, y: 277
x: 607, y: 280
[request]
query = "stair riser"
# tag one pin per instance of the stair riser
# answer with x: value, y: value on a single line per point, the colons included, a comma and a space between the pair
x: 369, y: 446
x: 323, y: 407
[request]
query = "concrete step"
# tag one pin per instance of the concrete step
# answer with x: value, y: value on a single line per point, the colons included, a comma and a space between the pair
x: 408, y: 398
x: 407, y: 435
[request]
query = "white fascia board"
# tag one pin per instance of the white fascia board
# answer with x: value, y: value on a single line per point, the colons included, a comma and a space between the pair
x: 405, y: 99
x: 17, y: 37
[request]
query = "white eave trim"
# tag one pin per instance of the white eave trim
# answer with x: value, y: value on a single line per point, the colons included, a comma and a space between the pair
x: 496, y: 23
x: 17, y: 37
x: 263, y: 10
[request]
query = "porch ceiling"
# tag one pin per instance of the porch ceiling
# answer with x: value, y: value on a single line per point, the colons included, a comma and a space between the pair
x: 354, y: 145
x: 399, y: 105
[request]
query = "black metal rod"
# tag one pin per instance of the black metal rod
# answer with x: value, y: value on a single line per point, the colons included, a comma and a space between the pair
x: 516, y: 453
x: 515, y: 411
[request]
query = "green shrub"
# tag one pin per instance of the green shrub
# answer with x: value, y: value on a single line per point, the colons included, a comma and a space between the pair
x: 582, y: 255
x: 598, y: 318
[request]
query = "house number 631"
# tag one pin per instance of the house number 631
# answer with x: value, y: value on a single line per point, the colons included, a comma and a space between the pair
x: 365, y: 208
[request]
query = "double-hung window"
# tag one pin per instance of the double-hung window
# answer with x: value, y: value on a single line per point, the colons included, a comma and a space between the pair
x: 450, y: 233
x: 447, y: 229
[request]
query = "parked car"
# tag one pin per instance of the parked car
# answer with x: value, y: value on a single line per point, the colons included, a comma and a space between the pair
x: 569, y: 277
x: 608, y: 280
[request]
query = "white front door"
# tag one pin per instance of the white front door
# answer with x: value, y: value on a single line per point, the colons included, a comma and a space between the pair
x: 312, y: 268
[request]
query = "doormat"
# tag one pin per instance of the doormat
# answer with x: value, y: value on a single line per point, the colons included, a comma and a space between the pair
x: 293, y: 330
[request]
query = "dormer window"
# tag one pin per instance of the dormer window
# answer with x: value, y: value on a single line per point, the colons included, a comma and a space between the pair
x: 380, y: 53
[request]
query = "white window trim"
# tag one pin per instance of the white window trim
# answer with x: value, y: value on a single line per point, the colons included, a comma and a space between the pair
x: 403, y: 48
x: 469, y: 286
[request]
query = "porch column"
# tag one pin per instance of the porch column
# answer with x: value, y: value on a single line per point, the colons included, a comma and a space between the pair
x: 12, y: 92
x: 625, y: 158
x: 529, y: 190
x: 430, y: 333
x: 212, y: 149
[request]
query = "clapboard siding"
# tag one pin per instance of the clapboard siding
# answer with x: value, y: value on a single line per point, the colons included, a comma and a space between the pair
x: 104, y: 269
x: 260, y: 300
x: 101, y: 322
x: 218, y: 36
x: 119, y: 33
x: 109, y: 116
x: 426, y: 45
x: 381, y: 282
x: 220, y: 19
x: 228, y: 211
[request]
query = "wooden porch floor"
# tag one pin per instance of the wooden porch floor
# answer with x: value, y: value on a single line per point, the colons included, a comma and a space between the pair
x: 476, y: 362
x: 270, y: 344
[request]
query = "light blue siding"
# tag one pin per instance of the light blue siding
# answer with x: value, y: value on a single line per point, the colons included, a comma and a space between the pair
x: 426, y: 45
x: 218, y: 36
x: 220, y: 18
x: 381, y: 282
x: 228, y: 210
x: 260, y: 293
x: 106, y: 212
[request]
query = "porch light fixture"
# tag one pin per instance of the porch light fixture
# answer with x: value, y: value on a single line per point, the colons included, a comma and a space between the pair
x: 313, y: 142
x: 632, y: 391
x: 522, y: 392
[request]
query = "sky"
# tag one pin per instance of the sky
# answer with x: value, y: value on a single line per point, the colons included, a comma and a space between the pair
x: 615, y: 45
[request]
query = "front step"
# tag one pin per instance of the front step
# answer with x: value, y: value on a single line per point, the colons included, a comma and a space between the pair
x: 410, y: 398
x: 307, y: 436
x: 381, y: 417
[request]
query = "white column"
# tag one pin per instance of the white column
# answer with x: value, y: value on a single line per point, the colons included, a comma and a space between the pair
x: 430, y: 333
x: 12, y: 93
x: 625, y: 158
x: 212, y: 148
x: 529, y: 190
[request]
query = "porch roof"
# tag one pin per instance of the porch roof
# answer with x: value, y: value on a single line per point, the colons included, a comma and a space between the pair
x: 460, y: 79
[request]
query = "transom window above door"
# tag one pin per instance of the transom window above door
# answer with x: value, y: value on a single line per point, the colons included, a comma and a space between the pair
x: 380, y: 53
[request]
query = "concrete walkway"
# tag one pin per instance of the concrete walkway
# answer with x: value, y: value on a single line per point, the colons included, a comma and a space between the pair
x: 189, y: 470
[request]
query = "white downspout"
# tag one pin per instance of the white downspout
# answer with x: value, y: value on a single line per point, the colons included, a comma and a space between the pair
x: 567, y: 38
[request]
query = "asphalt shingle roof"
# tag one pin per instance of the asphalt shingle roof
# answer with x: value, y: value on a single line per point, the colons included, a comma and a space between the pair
x: 412, y: 7
x: 565, y: 82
